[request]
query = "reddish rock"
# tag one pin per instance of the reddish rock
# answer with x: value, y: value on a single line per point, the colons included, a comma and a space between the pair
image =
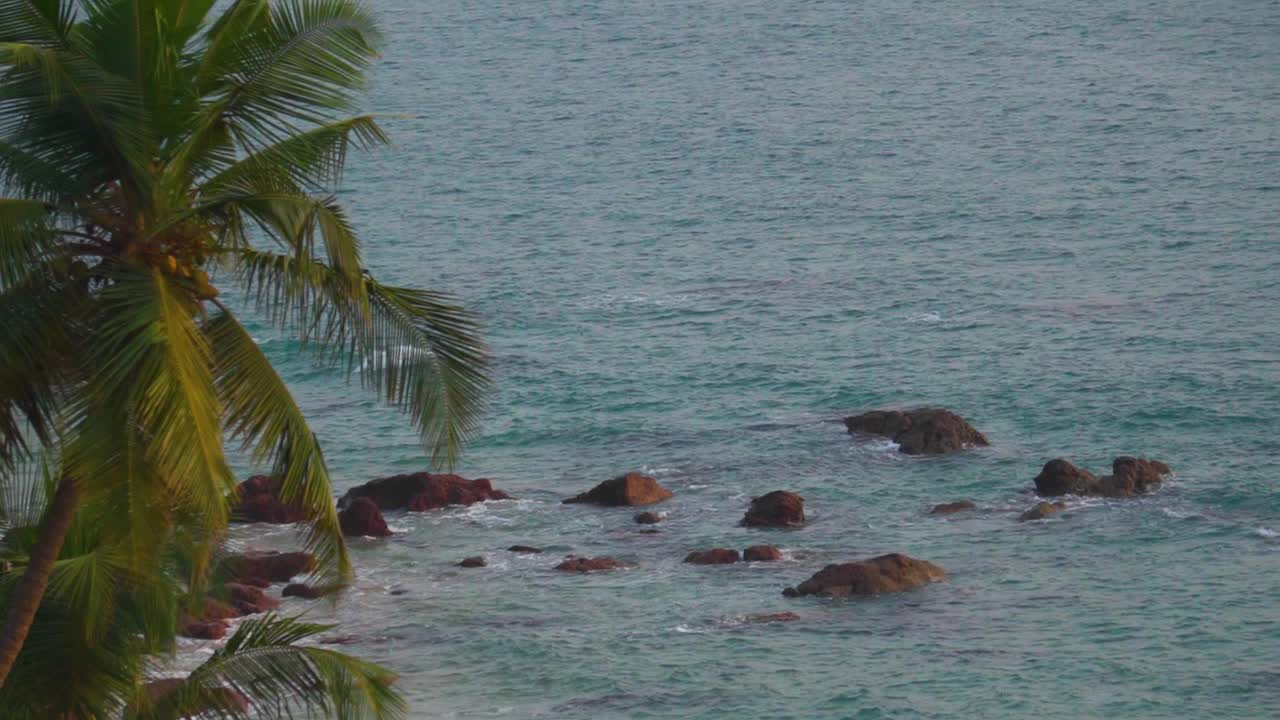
x: 524, y: 549
x: 1131, y: 476
x: 304, y: 591
x: 776, y: 509
x: 1042, y: 510
x: 205, y: 629
x: 648, y: 518
x: 579, y: 564
x: 762, y: 553
x: 257, y: 568
x: 1059, y: 477
x: 250, y: 600
x: 923, y: 431
x: 885, y: 574
x: 629, y: 489
x: 473, y: 562
x: 362, y: 518
x: 715, y: 556
x: 423, y: 491
x: 215, y: 609
x: 952, y: 507
x: 258, y: 500
x: 220, y: 700
x: 762, y: 618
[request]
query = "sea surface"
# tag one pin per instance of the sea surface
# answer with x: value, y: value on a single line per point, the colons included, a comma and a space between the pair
x: 700, y: 233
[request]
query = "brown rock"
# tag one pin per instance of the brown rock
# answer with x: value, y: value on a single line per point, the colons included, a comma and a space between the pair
x: 423, y: 491
x: 215, y: 609
x: 629, y: 489
x: 258, y: 500
x: 579, y: 564
x: 761, y: 553
x: 776, y: 509
x: 257, y: 568
x: 220, y: 700
x: 884, y: 574
x: 250, y: 600
x: 473, y: 562
x: 648, y: 518
x: 205, y: 629
x: 923, y: 431
x: 1042, y: 510
x: 306, y: 592
x: 952, y: 507
x: 362, y: 518
x: 715, y: 556
x: 1131, y: 476
x: 1059, y: 477
x: 524, y: 549
x: 762, y: 618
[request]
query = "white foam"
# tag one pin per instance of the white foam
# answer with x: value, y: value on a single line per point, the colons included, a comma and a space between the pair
x: 1267, y: 532
x: 928, y: 317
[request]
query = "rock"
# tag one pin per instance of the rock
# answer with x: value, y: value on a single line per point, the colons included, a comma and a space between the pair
x: 761, y: 553
x: 648, y: 518
x: 304, y: 591
x: 220, y: 701
x: 473, y: 562
x: 215, y: 609
x: 579, y: 564
x: 524, y: 549
x: 422, y: 491
x: 1131, y: 476
x: 776, y: 509
x: 339, y: 640
x: 250, y: 600
x: 1042, y: 510
x: 258, y: 500
x: 1059, y: 477
x: 715, y: 556
x: 205, y: 629
x: 952, y: 507
x: 255, y: 568
x: 362, y: 518
x: 885, y: 574
x: 629, y: 489
x: 762, y: 618
x: 923, y: 431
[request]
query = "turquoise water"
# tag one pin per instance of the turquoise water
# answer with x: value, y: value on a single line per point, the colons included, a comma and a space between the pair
x: 698, y: 233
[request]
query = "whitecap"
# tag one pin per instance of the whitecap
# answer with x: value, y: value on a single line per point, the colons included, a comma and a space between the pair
x: 1267, y: 532
x: 688, y: 630
x: 925, y: 318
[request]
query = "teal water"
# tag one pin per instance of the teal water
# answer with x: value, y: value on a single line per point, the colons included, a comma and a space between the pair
x: 698, y: 233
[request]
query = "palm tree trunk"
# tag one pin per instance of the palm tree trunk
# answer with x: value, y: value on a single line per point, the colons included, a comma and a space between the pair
x: 29, y: 591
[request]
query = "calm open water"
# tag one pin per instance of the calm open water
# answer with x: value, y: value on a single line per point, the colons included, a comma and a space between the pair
x: 698, y: 232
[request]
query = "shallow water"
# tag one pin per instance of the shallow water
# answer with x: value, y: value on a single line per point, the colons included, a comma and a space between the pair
x: 698, y: 233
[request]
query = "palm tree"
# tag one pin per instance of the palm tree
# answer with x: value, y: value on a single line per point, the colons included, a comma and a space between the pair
x: 149, y: 149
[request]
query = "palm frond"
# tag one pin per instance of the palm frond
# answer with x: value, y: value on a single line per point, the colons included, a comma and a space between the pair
x: 25, y: 238
x: 46, y: 23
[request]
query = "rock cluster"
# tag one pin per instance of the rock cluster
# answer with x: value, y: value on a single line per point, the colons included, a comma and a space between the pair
x: 258, y: 500
x: 923, y: 431
x: 1129, y: 476
x: 422, y: 491
x: 581, y: 564
x: 625, y: 490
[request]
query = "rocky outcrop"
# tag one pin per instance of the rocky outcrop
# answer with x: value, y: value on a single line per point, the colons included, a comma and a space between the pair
x: 264, y: 568
x: 1059, y: 477
x: 581, y: 564
x: 762, y: 553
x: 885, y: 574
x: 1129, y: 476
x: 1042, y: 510
x: 304, y: 591
x: 204, y: 629
x: 362, y: 518
x: 776, y: 509
x: 923, y: 431
x: 258, y: 500
x: 473, y: 562
x: 952, y: 507
x: 524, y: 549
x: 422, y: 491
x: 714, y: 556
x: 250, y: 600
x: 629, y: 489
x: 648, y: 518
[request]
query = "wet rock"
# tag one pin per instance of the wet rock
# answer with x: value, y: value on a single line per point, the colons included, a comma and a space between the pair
x: 763, y: 618
x: 1131, y: 476
x: 1059, y: 477
x: 629, y: 489
x: 304, y: 591
x: 580, y: 564
x: 884, y: 574
x: 215, y: 609
x: 250, y: 600
x: 362, y: 518
x: 761, y: 553
x: 776, y: 509
x: 205, y: 629
x: 714, y: 556
x: 258, y: 500
x: 1042, y: 510
x: 923, y: 431
x: 339, y: 640
x: 952, y: 507
x: 524, y: 549
x: 257, y: 568
x: 423, y: 491
x: 648, y: 518
x: 473, y: 562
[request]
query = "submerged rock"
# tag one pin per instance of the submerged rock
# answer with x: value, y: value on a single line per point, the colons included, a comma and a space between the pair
x: 763, y: 618
x: 1129, y: 476
x: 250, y: 600
x: 648, y: 518
x: 205, y: 629
x: 473, y: 562
x: 580, y: 564
x: 629, y: 489
x: 422, y: 491
x: 762, y: 553
x: 524, y: 549
x: 776, y: 509
x: 304, y: 591
x: 1042, y: 510
x: 884, y: 574
x: 952, y: 507
x: 923, y: 431
x: 362, y: 518
x: 714, y: 556
x: 258, y: 500
x: 264, y: 568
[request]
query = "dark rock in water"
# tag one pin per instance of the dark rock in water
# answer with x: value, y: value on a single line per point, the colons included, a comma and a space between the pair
x: 473, y: 562
x: 648, y: 518
x: 339, y: 640
x: 884, y: 574
x: 219, y: 701
x: 423, y: 491
x: 923, y: 431
x: 1059, y: 477
x: 952, y: 507
x: 579, y: 564
x: 250, y: 600
x: 304, y: 591
x: 715, y: 556
x: 629, y: 489
x: 1042, y: 510
x: 264, y: 568
x: 762, y: 618
x: 362, y: 518
x: 761, y: 553
x: 524, y: 549
x: 205, y: 629
x: 776, y: 509
x: 258, y: 500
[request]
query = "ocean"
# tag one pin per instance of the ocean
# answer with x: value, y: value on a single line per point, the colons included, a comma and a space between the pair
x: 700, y: 233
